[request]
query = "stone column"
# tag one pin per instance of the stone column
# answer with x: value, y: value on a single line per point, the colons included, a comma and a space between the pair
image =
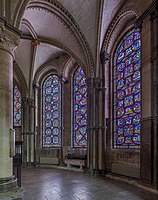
x: 154, y: 59
x: 31, y: 132
x: 35, y: 87
x: 105, y: 84
x: 90, y: 124
x: 61, y: 153
x: 9, y: 39
x: 96, y: 133
x: 25, y: 130
x: 148, y: 21
x: 66, y: 118
x: 93, y: 125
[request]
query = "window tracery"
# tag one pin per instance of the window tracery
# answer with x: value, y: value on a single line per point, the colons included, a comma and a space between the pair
x: 51, y: 106
x: 17, y: 119
x: 127, y: 91
x: 79, y: 109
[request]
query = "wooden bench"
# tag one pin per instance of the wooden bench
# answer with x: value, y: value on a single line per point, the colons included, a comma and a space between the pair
x: 76, y: 160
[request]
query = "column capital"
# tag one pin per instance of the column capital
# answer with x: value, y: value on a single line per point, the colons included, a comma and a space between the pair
x: 94, y: 83
x: 36, y: 86
x: 104, y: 56
x: 9, y: 37
x: 90, y: 82
x: 30, y: 101
x: 97, y: 82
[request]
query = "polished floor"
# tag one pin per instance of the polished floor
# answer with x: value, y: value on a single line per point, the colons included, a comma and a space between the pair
x: 57, y: 184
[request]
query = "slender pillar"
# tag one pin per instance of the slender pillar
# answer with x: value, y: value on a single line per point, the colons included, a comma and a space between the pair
x: 25, y: 130
x: 90, y: 145
x: 154, y: 31
x: 9, y: 39
x: 93, y: 125
x: 62, y: 126
x: 105, y: 80
x: 35, y: 86
x: 96, y: 133
x: 31, y: 134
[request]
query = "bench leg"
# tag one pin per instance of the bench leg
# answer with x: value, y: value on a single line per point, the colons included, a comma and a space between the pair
x: 81, y: 166
x: 68, y: 165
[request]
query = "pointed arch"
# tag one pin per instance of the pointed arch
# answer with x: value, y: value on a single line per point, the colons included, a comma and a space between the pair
x: 20, y: 79
x: 51, y: 112
x: 62, y: 14
x: 127, y: 91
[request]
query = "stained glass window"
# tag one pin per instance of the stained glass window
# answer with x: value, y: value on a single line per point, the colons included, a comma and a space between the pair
x: 127, y: 91
x: 16, y: 106
x: 52, y: 112
x: 79, y: 109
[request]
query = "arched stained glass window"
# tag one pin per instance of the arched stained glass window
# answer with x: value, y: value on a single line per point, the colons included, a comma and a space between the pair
x: 52, y: 112
x: 17, y: 106
x: 127, y: 91
x: 79, y: 109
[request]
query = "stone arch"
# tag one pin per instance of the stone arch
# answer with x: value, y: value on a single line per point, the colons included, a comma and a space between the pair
x: 68, y: 67
x: 57, y: 10
x: 19, y: 12
x: 122, y: 20
x: 44, y: 71
x: 29, y: 26
x: 20, y: 79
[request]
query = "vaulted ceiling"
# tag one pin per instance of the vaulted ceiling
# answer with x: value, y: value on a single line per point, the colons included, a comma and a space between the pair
x: 61, y: 29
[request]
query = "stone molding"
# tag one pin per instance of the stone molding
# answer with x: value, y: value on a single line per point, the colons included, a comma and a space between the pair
x: 30, y: 28
x: 18, y: 12
x: 128, y: 10
x: 9, y: 189
x: 21, y: 79
x: 9, y: 39
x: 152, y: 9
x: 68, y: 68
x: 44, y: 70
x: 104, y: 56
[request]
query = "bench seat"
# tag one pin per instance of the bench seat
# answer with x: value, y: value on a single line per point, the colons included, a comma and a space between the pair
x: 76, y: 160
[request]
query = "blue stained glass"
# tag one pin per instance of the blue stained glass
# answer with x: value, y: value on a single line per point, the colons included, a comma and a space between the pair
x: 51, y: 112
x: 79, y: 109
x: 127, y: 92
x: 17, y: 107
x: 120, y: 112
x: 128, y: 71
x: 120, y: 122
x: 120, y: 94
x: 120, y: 57
x: 128, y: 61
x: 128, y: 101
x: 128, y: 120
x: 120, y: 67
x: 137, y: 66
x: 136, y: 88
x: 120, y: 84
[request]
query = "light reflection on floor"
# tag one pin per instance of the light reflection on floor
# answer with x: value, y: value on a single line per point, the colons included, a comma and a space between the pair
x: 57, y: 184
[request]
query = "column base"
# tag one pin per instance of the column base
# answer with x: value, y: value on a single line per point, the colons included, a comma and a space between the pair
x: 9, y: 189
x: 98, y: 172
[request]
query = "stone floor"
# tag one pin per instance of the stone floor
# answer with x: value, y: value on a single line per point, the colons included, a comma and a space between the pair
x: 57, y: 184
